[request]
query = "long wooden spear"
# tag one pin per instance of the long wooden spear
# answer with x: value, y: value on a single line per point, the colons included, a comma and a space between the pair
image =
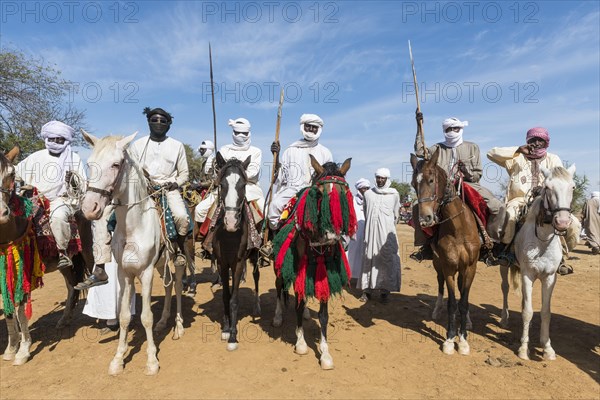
x: 275, y: 158
x: 420, y: 138
x: 212, y: 94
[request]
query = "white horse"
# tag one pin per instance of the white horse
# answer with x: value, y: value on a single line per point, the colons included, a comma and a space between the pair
x: 136, y: 242
x: 539, y: 252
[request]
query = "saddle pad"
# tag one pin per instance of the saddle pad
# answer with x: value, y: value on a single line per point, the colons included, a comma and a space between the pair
x: 476, y: 202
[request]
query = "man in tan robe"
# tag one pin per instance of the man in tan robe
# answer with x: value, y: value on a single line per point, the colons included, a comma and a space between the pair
x: 591, y: 222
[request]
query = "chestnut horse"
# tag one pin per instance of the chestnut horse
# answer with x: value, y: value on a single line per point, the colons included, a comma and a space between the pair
x: 455, y: 246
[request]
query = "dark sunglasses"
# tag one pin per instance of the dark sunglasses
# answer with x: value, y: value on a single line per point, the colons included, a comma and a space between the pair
x: 161, y: 120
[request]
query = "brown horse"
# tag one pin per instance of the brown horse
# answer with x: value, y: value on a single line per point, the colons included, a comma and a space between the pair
x: 455, y: 246
x: 13, y: 227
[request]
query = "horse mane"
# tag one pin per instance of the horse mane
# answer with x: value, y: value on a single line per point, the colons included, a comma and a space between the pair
x: 4, y: 163
x: 233, y: 163
x: 560, y: 173
x: 329, y: 169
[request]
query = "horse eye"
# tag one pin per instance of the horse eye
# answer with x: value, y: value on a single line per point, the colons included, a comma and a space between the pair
x: 116, y: 165
x: 431, y: 181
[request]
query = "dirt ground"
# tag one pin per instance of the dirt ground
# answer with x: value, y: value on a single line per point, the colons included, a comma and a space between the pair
x: 380, y: 350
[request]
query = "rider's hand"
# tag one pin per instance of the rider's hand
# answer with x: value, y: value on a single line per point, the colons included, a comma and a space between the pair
x: 171, y: 186
x: 68, y: 176
x: 275, y: 147
x: 419, y: 116
x: 524, y: 149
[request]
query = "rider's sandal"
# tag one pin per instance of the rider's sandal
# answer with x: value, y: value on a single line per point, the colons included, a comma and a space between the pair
x: 90, y: 282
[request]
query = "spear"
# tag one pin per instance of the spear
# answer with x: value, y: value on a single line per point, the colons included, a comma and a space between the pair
x: 212, y: 94
x: 275, y: 157
x: 420, y: 138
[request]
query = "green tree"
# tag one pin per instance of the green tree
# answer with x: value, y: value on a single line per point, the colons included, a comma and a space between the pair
x: 405, y: 190
x: 581, y: 185
x: 194, y: 164
x: 31, y: 94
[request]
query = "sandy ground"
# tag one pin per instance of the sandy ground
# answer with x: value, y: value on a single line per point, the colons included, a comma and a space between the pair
x: 380, y: 350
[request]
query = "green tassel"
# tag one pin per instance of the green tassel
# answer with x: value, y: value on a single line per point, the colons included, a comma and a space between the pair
x: 325, y: 215
x: 19, y: 289
x: 288, y: 270
x: 280, y: 237
x: 8, y: 305
x: 28, y: 206
x: 312, y: 207
x: 345, y: 212
x: 311, y: 272
x: 333, y: 275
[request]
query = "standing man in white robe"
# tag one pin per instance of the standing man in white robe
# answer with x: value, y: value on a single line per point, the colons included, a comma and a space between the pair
x: 356, y: 248
x: 591, y: 222
x: 381, y: 262
x: 294, y: 170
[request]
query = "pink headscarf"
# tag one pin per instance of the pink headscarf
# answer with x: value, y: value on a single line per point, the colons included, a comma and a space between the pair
x: 542, y: 133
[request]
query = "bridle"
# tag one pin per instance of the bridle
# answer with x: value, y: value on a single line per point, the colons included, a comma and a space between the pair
x: 236, y: 209
x: 109, y: 193
x: 441, y: 201
x: 547, y: 213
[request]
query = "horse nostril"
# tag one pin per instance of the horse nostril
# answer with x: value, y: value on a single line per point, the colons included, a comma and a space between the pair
x: 5, y: 213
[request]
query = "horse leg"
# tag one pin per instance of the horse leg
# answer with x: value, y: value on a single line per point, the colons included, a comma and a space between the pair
x: 505, y: 287
x: 232, y: 343
x: 256, y: 275
x: 463, y: 306
x: 326, y: 360
x: 527, y: 314
x: 448, y: 346
x: 72, y: 297
x: 23, y: 354
x: 469, y: 323
x: 179, y: 272
x: 116, y: 365
x: 226, y: 328
x: 301, y: 347
x: 166, y: 313
x: 547, y: 288
x: 147, y: 320
x: 13, y: 337
x: 440, y: 298
x: 278, y: 318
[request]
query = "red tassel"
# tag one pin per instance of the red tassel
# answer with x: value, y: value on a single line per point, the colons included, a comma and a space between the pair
x: 28, y: 308
x: 300, y: 284
x: 10, y: 274
x: 300, y: 209
x: 28, y: 266
x: 335, y: 209
x: 284, y: 248
x: 321, y: 282
x: 352, y: 224
x: 345, y: 260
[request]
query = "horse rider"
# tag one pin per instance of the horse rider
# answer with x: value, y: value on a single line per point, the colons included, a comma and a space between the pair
x: 523, y: 164
x: 165, y: 161
x: 294, y: 170
x: 207, y: 158
x: 55, y: 171
x: 460, y: 158
x: 240, y: 149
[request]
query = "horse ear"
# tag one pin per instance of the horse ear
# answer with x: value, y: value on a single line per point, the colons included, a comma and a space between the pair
x: 435, y: 156
x: 220, y: 160
x: 247, y: 162
x: 91, y: 139
x: 413, y: 161
x: 571, y: 170
x: 124, y: 143
x: 545, y: 171
x: 12, y: 155
x: 345, y: 166
x: 315, y: 164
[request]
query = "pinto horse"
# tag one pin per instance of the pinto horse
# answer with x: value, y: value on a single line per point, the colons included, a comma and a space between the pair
x: 455, y: 246
x: 539, y: 252
x: 230, y: 241
x: 308, y: 251
x: 14, y: 230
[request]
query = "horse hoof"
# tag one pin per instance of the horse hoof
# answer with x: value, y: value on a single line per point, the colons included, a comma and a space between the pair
x: 62, y: 323
x: 232, y: 346
x: 504, y: 323
x: 301, y: 349
x: 463, y: 348
x: 448, y: 347
x: 326, y: 362
x: 277, y: 322
x: 523, y: 353
x: 225, y: 335
x: 257, y: 310
x: 435, y: 315
x: 306, y: 314
x: 160, y: 326
x: 115, y: 368
x: 151, y: 369
x: 549, y: 355
x: 8, y: 356
x: 22, y: 360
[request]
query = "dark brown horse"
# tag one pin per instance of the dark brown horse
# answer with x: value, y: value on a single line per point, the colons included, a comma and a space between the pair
x: 13, y: 227
x: 230, y: 242
x: 309, y: 256
x: 455, y: 244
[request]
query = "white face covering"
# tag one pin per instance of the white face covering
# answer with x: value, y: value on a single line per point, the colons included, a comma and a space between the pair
x: 453, y: 139
x: 240, y: 141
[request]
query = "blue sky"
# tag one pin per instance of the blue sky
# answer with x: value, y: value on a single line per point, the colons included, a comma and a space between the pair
x: 503, y: 66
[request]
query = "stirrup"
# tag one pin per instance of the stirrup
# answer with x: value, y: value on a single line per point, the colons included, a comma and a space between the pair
x: 265, y: 255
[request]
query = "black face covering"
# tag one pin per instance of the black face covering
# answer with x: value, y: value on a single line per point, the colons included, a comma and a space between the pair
x: 159, y: 126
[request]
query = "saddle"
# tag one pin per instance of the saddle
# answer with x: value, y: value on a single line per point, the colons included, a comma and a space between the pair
x: 255, y: 217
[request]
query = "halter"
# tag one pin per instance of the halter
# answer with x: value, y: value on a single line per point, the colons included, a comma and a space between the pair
x: 332, y: 179
x: 109, y: 193
x: 546, y: 215
x: 446, y: 199
x: 239, y: 209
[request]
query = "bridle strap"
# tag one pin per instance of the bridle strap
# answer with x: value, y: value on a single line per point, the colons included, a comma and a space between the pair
x: 102, y: 192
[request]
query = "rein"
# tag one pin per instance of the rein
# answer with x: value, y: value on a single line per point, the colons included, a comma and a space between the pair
x: 546, y: 216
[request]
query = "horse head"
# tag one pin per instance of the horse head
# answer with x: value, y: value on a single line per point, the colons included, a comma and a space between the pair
x: 232, y: 182
x: 105, y: 166
x: 328, y: 190
x: 557, y: 194
x: 7, y: 177
x: 429, y: 182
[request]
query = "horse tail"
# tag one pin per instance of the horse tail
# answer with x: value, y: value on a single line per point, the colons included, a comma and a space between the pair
x: 515, y: 277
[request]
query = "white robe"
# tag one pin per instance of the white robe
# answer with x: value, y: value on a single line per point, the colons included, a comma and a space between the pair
x: 165, y: 161
x: 381, y: 261
x: 102, y: 301
x: 356, y: 248
x: 294, y: 174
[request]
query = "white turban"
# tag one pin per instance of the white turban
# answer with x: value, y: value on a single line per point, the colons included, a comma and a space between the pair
x: 311, y: 119
x: 240, y: 142
x: 362, y: 183
x: 383, y: 172
x: 453, y: 139
x: 57, y: 129
x: 209, y: 146
x: 596, y: 195
x: 385, y: 189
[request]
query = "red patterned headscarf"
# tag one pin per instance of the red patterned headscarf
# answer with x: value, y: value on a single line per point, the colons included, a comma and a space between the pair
x: 541, y: 133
